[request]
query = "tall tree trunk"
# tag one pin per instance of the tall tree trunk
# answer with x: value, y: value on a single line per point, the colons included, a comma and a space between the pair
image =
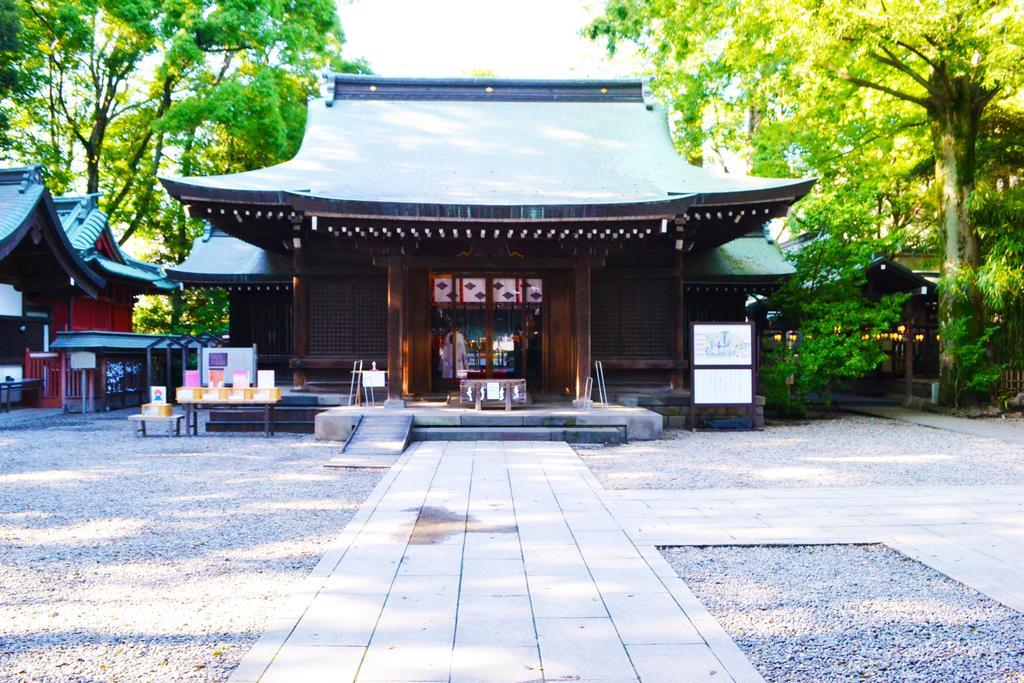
x: 954, y: 125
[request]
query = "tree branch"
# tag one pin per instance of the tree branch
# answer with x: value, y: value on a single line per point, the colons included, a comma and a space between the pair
x: 891, y: 59
x: 927, y: 60
x: 887, y: 90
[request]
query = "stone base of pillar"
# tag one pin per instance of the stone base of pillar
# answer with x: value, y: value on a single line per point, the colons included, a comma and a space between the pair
x: 394, y: 403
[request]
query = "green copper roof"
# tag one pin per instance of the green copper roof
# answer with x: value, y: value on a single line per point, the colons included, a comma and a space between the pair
x: 218, y: 258
x: 750, y: 258
x: 104, y: 341
x: 85, y: 224
x: 18, y: 198
x: 483, y: 148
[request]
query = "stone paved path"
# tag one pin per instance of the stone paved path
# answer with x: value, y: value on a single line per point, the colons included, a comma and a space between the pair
x: 974, y: 534
x: 1011, y: 431
x: 509, y: 562
x: 491, y: 561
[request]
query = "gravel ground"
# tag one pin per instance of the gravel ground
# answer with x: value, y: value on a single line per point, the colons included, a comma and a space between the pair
x: 849, y: 450
x: 158, y: 559
x: 851, y: 613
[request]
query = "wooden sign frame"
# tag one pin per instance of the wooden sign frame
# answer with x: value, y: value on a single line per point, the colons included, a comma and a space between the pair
x: 749, y: 402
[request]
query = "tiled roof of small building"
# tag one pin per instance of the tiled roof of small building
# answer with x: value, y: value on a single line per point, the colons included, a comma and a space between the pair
x: 748, y: 258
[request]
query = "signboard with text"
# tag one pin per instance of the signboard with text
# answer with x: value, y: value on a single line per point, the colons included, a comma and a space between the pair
x: 723, y: 367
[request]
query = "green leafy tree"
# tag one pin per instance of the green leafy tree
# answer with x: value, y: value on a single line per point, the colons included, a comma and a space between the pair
x: 13, y: 80
x: 128, y: 90
x: 863, y: 93
x: 838, y: 323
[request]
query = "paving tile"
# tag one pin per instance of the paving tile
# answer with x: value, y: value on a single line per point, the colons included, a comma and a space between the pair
x: 624, y: 575
x: 432, y: 560
x: 404, y: 663
x: 488, y: 664
x: 419, y: 611
x: 499, y: 620
x: 359, y: 576
x: 675, y: 663
x: 601, y: 544
x: 650, y: 618
x: 486, y: 576
x: 588, y: 649
x: 492, y: 546
x: 554, y: 560
x: 312, y: 664
x: 336, y: 618
x: 565, y: 596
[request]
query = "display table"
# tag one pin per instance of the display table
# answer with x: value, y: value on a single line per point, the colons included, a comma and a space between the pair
x: 493, y: 392
x: 173, y: 422
x: 192, y: 409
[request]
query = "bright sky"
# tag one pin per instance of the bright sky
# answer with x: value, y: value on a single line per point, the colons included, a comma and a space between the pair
x: 512, y: 38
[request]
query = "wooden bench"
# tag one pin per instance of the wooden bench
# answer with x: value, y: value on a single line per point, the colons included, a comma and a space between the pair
x: 173, y: 422
x: 493, y: 392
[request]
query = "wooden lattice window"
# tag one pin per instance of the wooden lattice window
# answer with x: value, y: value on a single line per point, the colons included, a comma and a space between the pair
x: 632, y: 317
x: 348, y: 317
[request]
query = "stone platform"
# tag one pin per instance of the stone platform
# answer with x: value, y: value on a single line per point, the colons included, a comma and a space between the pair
x: 434, y: 421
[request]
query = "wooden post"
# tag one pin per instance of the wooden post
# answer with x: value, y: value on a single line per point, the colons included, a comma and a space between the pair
x: 300, y: 312
x: 677, y: 375
x: 396, y: 289
x: 581, y: 294
x: 908, y: 352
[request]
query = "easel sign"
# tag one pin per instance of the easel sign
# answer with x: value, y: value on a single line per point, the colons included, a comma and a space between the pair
x: 723, y: 371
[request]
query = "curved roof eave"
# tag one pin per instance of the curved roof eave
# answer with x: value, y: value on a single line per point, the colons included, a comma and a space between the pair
x: 671, y: 205
x: 69, y: 258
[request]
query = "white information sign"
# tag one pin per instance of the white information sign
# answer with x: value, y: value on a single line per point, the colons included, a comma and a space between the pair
x: 373, y: 379
x: 83, y: 360
x: 722, y: 344
x: 718, y: 386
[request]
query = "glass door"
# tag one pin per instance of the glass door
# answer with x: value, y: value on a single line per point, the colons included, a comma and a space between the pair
x: 485, y: 327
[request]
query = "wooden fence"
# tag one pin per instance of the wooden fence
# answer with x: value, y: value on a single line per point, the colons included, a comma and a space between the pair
x: 1012, y: 381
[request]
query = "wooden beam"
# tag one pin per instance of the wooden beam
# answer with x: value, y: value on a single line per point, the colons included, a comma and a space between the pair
x: 581, y: 295
x: 396, y: 290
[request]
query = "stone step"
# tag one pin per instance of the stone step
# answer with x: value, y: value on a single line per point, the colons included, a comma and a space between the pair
x: 246, y: 426
x: 608, y: 435
x: 281, y: 413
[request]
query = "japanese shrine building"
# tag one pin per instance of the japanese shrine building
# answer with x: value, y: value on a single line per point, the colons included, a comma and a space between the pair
x: 452, y: 228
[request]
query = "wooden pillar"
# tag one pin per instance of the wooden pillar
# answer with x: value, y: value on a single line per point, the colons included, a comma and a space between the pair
x: 396, y: 289
x: 581, y: 293
x: 300, y: 313
x: 679, y: 325
x: 908, y: 351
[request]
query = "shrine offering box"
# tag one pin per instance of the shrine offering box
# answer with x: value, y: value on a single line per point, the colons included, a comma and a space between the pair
x: 156, y: 409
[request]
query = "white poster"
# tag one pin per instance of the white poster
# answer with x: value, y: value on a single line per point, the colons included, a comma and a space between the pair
x: 719, y: 386
x: 373, y: 378
x: 722, y: 344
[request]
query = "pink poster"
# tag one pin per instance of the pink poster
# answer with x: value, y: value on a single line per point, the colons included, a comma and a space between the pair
x: 191, y: 378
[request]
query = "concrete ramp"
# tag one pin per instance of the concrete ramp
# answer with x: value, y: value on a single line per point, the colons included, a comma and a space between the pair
x: 379, y: 435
